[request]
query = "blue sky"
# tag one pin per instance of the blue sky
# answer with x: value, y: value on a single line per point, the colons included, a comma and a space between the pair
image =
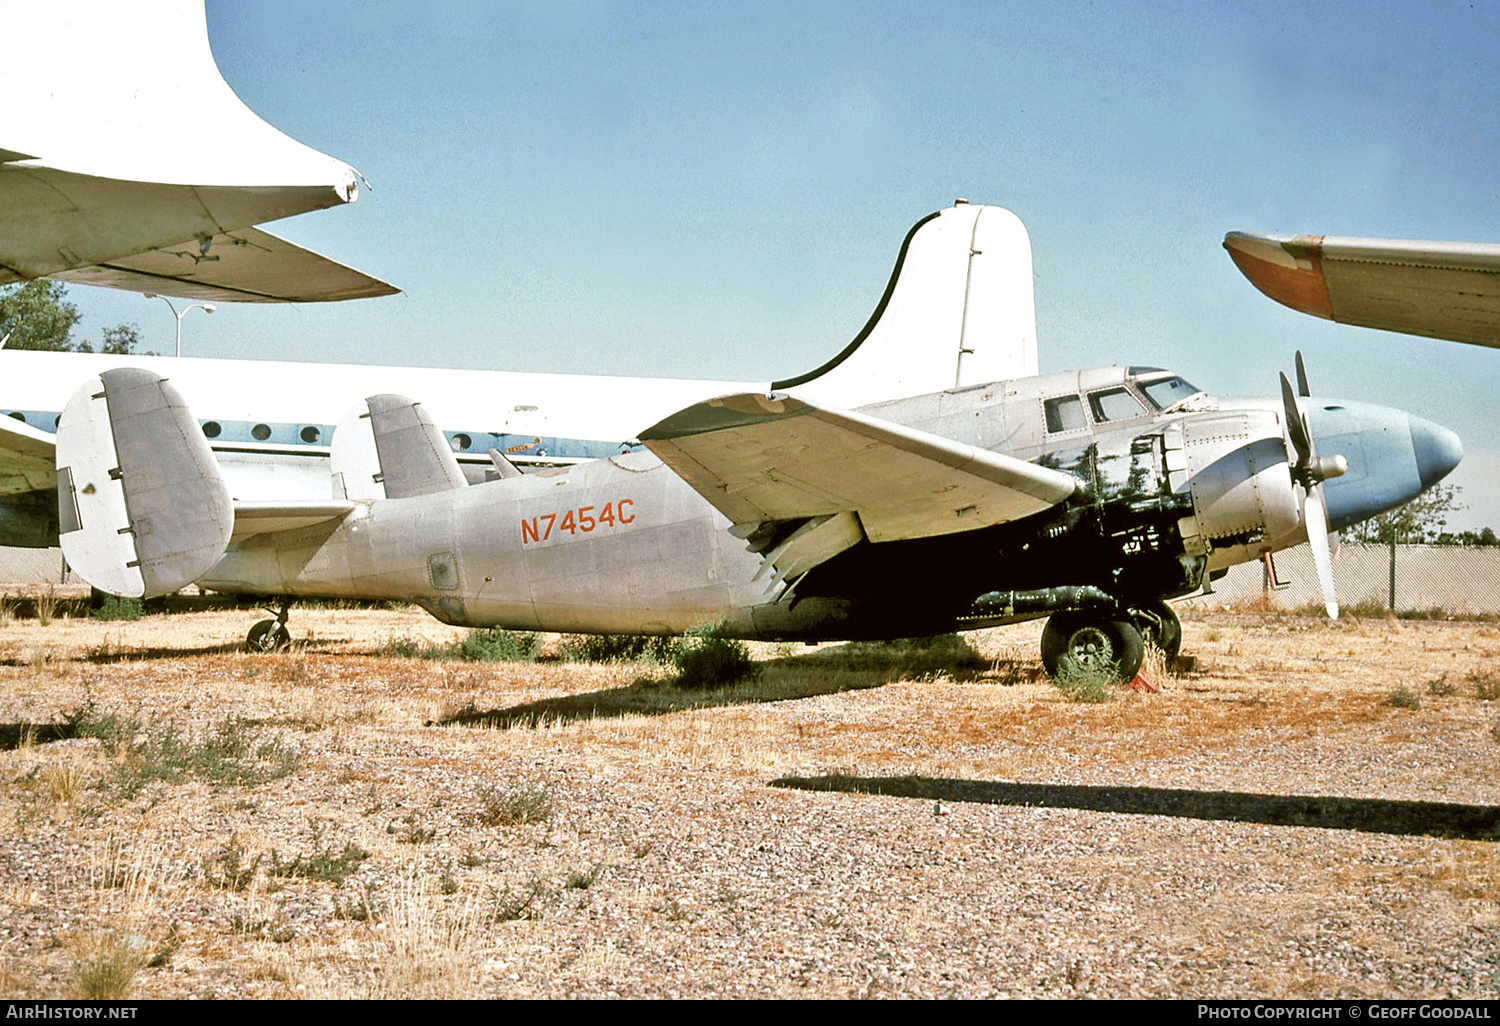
x: 719, y: 190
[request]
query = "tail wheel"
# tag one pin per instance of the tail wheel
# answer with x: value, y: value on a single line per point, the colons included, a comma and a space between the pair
x: 1160, y: 627
x: 1078, y: 643
x: 268, y: 636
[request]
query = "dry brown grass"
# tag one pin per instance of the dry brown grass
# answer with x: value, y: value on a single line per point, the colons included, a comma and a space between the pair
x: 703, y: 880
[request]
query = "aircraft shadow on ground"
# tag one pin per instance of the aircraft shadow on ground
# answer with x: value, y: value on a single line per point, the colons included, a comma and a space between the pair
x: 1368, y: 815
x: 854, y: 666
x: 14, y: 735
x: 643, y: 698
x: 106, y: 655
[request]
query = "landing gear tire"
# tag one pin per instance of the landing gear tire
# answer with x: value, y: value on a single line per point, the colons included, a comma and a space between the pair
x: 268, y: 636
x: 1160, y: 627
x: 1075, y: 643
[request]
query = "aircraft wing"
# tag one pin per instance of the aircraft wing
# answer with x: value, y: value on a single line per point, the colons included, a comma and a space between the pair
x: 765, y: 460
x: 27, y: 458
x: 142, y: 151
x: 1447, y: 290
x: 248, y: 266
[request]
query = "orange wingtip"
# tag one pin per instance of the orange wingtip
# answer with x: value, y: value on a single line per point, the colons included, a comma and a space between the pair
x: 1289, y: 270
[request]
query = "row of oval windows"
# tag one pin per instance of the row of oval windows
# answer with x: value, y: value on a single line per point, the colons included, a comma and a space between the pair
x: 311, y: 435
x: 260, y: 432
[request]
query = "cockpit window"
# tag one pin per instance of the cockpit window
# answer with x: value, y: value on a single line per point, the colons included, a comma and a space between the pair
x: 1064, y: 413
x: 1168, y: 391
x: 1114, y: 404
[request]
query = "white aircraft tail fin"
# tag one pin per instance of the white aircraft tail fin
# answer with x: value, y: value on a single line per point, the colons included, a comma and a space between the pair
x: 959, y: 310
x: 389, y: 448
x: 142, y: 507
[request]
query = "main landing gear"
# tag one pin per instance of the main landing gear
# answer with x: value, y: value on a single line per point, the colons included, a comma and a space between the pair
x: 270, y: 635
x: 1091, y: 642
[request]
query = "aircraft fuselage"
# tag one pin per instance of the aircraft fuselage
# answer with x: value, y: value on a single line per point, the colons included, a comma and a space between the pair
x: 623, y: 544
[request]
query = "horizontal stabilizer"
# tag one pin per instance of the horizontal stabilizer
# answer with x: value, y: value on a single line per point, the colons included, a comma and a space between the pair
x: 142, y: 507
x: 1445, y: 290
x: 389, y: 448
x: 27, y: 458
x: 245, y: 266
x: 765, y: 459
x: 271, y: 517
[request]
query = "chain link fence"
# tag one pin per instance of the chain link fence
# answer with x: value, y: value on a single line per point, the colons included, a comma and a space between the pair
x: 25, y: 569
x: 1458, y: 580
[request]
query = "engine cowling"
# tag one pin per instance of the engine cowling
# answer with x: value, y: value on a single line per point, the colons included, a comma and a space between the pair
x: 1234, y: 464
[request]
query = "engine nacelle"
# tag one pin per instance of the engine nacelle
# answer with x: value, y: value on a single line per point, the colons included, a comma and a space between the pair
x: 1235, y: 466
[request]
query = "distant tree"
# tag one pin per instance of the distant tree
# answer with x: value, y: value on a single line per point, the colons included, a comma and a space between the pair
x: 121, y: 340
x: 37, y: 315
x: 1421, y: 521
x: 1473, y: 539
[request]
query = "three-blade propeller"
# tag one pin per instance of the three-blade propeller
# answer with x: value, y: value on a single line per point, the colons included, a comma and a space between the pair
x: 1310, y: 471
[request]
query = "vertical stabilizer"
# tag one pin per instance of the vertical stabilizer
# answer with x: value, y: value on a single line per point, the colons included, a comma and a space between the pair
x: 959, y: 310
x: 142, y: 507
x: 389, y: 448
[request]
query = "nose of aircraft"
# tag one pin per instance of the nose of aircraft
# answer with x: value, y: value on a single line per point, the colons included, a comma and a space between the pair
x: 1437, y: 450
x: 1393, y: 456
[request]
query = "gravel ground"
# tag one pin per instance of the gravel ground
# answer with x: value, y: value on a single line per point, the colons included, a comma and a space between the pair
x: 861, y: 822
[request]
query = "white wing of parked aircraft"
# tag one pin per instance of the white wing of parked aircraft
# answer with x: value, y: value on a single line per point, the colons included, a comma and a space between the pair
x: 127, y: 161
x: 764, y: 460
x: 1448, y: 290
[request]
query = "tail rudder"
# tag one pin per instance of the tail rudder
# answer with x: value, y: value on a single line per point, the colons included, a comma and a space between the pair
x: 142, y: 506
x: 959, y: 310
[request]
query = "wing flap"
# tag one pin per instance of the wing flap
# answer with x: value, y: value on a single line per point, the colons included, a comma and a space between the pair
x: 760, y: 459
x: 1448, y: 290
x: 246, y: 266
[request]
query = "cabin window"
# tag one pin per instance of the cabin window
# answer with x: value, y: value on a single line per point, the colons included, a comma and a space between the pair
x: 1114, y: 404
x: 260, y: 432
x: 1065, y: 413
x: 461, y: 442
x: 1168, y: 392
x: 211, y: 429
x: 310, y: 435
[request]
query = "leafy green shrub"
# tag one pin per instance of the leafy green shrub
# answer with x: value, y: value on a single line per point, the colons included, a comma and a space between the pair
x: 498, y: 645
x: 115, y: 608
x: 116, y: 730
x: 707, y: 657
x: 1404, y: 698
x: 493, y: 645
x: 1092, y: 685
x: 322, y: 863
x: 233, y: 753
x: 1442, y: 687
x: 616, y: 648
x: 1486, y: 684
x: 527, y: 803
x: 417, y: 648
x: 508, y: 905
x: 229, y: 869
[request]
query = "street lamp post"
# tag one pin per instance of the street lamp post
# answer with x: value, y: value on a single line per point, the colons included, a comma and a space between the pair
x: 205, y: 307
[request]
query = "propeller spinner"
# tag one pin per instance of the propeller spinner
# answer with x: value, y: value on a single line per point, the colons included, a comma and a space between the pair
x: 1310, y: 471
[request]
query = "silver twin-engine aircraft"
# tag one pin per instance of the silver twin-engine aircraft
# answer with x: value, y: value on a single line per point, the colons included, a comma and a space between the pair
x: 926, y: 479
